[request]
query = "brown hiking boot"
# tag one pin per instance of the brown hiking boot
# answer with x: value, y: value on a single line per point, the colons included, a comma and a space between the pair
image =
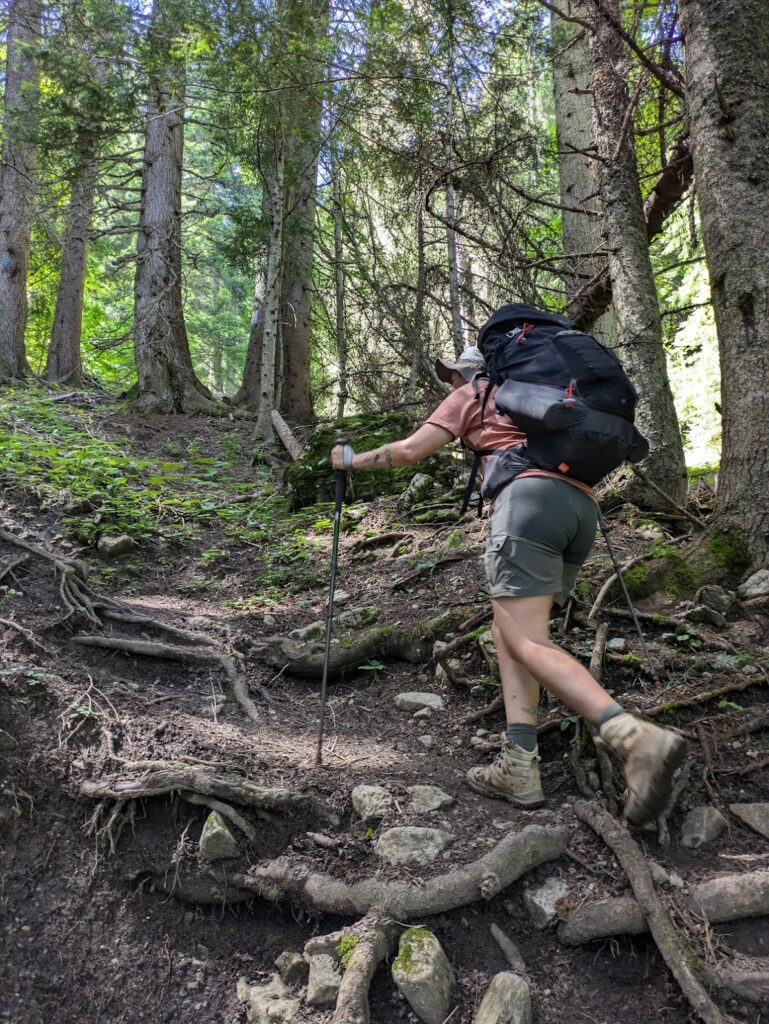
x: 650, y: 756
x: 513, y: 775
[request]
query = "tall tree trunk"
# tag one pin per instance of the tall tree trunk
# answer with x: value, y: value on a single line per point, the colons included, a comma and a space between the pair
x: 64, y: 362
x: 727, y: 81
x: 639, y: 335
x: 306, y: 24
x: 17, y: 175
x: 580, y: 194
x: 167, y: 381
x: 274, y: 183
x: 419, y: 306
x: 340, y: 331
x: 247, y: 395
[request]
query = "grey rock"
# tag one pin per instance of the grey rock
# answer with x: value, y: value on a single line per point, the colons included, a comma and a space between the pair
x: 663, y: 877
x: 420, y: 488
x: 324, y: 980
x: 756, y: 585
x: 427, y: 741
x: 702, y: 825
x: 424, y: 976
x: 650, y: 533
x: 507, y: 1001
x: 409, y: 844
x: 341, y: 597
x: 113, y: 547
x: 705, y: 615
x: 292, y: 967
x: 616, y: 915
x: 725, y: 661
x: 617, y: 644
x: 312, y: 631
x: 540, y: 901
x: 216, y: 841
x: 423, y: 713
x: 268, y: 1004
x: 754, y: 815
x: 270, y: 621
x: 715, y: 597
x: 425, y: 799
x: 371, y: 801
x: 749, y: 670
x: 359, y: 618
x: 415, y: 701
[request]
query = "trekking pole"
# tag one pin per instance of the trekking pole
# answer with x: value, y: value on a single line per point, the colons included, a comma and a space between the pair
x: 340, y: 486
x: 647, y: 654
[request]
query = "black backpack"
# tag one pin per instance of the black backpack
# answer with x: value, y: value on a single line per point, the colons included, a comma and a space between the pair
x: 565, y: 390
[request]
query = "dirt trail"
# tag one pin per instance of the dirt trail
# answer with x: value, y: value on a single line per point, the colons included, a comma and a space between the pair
x: 110, y: 916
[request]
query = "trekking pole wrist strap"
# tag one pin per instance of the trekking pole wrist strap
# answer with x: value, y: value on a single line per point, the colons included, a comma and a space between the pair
x: 347, y: 454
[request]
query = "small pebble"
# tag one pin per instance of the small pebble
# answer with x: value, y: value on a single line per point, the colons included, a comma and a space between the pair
x: 749, y: 670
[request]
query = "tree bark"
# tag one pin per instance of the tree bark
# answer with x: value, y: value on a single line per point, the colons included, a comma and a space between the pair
x: 17, y: 177
x: 578, y: 172
x: 64, y: 360
x: 639, y: 334
x: 727, y: 80
x: 166, y: 379
x: 274, y: 185
x: 340, y: 331
x: 307, y: 27
x: 247, y: 395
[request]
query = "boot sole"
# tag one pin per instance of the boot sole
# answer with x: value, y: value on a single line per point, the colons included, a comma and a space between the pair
x: 659, y: 789
x: 496, y: 794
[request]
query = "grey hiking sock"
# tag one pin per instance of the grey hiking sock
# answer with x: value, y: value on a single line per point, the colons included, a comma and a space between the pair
x: 523, y: 734
x: 612, y: 711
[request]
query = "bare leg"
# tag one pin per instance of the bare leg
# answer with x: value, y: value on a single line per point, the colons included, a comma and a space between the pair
x: 521, y: 630
x: 520, y: 690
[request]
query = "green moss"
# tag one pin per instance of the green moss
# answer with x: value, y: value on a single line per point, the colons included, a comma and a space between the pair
x: 412, y: 941
x: 630, y: 661
x: 728, y: 548
x: 345, y: 949
x: 638, y: 581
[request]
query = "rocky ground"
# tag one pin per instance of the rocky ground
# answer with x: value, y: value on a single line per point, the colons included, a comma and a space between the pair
x: 172, y: 852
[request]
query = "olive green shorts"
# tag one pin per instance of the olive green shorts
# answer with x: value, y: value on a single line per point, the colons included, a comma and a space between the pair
x: 540, y: 532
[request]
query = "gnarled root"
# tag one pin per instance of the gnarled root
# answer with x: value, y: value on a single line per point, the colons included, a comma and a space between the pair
x: 483, y: 879
x: 413, y: 643
x: 675, y: 955
x: 374, y: 935
x: 230, y: 788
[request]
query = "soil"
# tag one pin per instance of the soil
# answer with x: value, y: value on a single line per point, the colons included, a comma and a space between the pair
x: 100, y: 934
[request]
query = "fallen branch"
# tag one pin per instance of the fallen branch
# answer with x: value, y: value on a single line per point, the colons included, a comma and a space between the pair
x: 28, y: 636
x: 163, y: 781
x: 484, y: 878
x: 675, y: 955
x: 366, y: 543
x: 666, y: 497
x: 747, y: 769
x: 286, y: 435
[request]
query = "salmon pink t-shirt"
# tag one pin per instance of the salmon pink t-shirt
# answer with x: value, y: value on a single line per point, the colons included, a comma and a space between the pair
x: 460, y: 414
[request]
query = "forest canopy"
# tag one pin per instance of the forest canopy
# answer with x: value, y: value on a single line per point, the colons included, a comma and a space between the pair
x: 298, y: 205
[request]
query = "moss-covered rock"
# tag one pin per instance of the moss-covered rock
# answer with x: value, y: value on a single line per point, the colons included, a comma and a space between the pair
x: 311, y: 478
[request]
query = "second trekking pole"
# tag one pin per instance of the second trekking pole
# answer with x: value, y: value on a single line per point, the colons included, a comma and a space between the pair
x: 340, y: 486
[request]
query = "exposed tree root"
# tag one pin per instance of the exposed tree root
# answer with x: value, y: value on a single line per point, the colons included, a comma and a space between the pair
x: 412, y: 643
x: 428, y: 570
x: 115, y: 615
x: 484, y: 878
x: 489, y: 709
x: 752, y: 985
x: 747, y: 769
x: 680, y: 784
x: 9, y: 570
x: 374, y: 936
x: 676, y: 956
x: 510, y: 950
x: 659, y: 620
x: 29, y: 636
x: 226, y: 811
x: 230, y: 788
x: 367, y: 543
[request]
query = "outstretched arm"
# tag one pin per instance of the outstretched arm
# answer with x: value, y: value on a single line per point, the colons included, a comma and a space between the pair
x: 428, y: 439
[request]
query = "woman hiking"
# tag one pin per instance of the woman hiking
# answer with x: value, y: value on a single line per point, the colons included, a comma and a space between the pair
x: 541, y: 529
